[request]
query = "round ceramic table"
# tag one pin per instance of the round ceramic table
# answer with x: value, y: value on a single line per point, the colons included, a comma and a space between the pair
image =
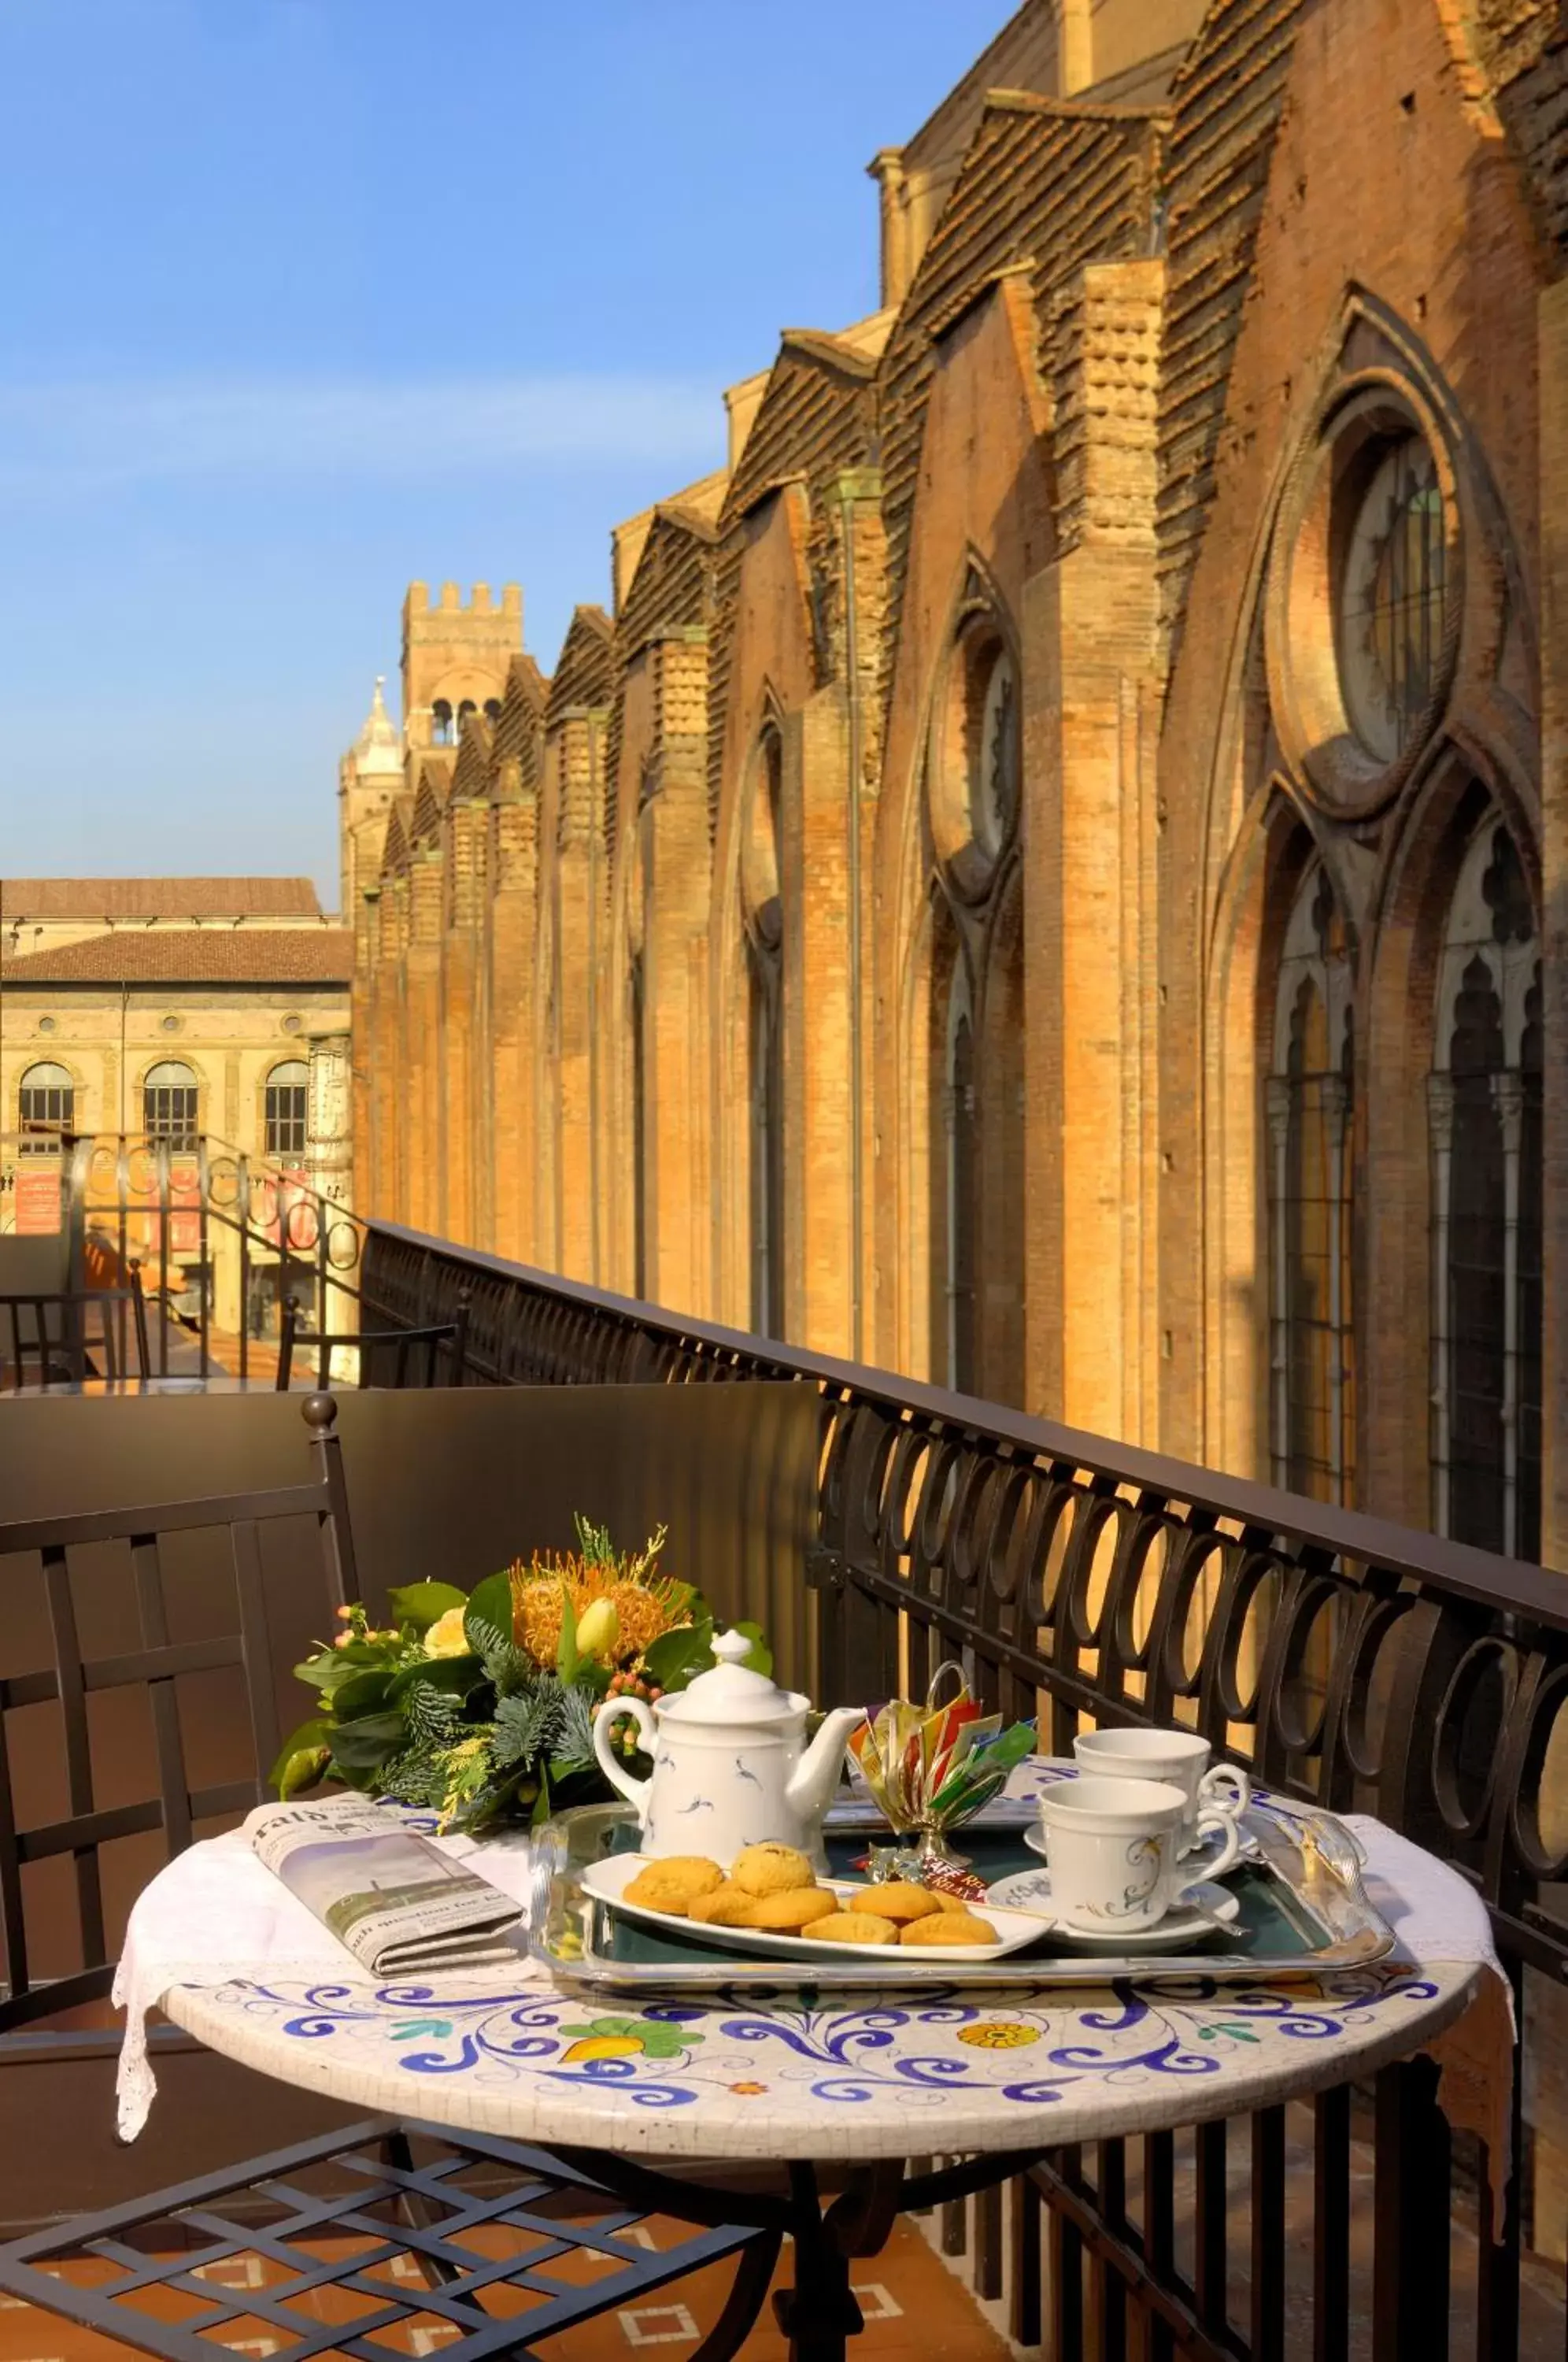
x: 864, y: 2084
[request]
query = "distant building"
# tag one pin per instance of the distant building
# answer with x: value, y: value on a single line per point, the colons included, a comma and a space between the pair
x: 1042, y: 880
x: 171, y: 1010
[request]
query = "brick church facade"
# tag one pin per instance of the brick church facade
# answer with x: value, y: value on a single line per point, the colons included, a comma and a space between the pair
x: 1051, y: 875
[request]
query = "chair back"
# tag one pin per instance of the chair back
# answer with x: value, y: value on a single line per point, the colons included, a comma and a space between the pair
x: 127, y: 1554
x: 413, y: 1357
x: 49, y: 1338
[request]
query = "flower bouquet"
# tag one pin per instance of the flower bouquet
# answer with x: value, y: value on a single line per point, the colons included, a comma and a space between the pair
x: 480, y: 1704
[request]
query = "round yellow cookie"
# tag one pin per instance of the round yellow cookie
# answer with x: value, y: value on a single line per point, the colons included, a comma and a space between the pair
x: 674, y: 1884
x: 949, y: 1927
x: 787, y: 1914
x: 771, y: 1870
x: 726, y: 1907
x: 850, y: 1928
x: 899, y: 1899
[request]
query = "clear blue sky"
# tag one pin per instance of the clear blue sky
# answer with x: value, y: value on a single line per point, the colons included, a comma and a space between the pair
x: 306, y: 299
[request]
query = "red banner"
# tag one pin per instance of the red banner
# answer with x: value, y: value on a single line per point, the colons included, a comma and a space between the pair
x: 38, y: 1200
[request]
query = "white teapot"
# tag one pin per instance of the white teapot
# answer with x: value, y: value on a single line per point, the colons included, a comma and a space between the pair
x: 730, y: 1763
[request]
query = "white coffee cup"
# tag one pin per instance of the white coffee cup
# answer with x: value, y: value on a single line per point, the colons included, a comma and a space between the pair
x: 1113, y: 1846
x: 1176, y: 1756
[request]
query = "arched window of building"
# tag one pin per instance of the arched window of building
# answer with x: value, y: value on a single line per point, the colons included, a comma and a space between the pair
x: 169, y: 1097
x: 441, y: 730
x: 286, y: 1102
x: 46, y: 1106
x: 976, y: 1083
x: 764, y: 913
x: 492, y: 710
x: 465, y: 714
x: 1484, y: 1099
x: 1312, y: 1311
x: 637, y: 1010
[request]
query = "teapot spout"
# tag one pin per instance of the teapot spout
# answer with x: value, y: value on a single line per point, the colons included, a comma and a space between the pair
x: 815, y: 1777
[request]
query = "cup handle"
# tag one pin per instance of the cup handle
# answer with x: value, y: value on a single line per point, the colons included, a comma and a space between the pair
x: 1228, y: 1786
x: 1221, y: 1816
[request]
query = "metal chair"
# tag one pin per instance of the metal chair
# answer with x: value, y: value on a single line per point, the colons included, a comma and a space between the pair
x: 56, y: 1331
x: 332, y: 2241
x: 444, y: 1348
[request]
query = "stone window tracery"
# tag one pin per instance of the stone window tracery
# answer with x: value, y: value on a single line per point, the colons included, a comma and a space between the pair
x: 1393, y: 597
x: 1309, y: 1094
x: 1484, y: 1106
x: 975, y: 1084
x: 763, y: 912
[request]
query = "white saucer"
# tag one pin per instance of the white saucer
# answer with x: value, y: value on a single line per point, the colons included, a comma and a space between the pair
x: 1029, y: 1890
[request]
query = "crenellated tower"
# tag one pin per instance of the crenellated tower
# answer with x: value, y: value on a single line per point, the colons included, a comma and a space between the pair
x: 455, y: 658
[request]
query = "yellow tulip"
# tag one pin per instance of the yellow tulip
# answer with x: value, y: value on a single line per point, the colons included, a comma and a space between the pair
x: 599, y: 1631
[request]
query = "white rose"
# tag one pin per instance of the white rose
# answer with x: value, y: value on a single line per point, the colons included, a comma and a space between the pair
x: 448, y: 1636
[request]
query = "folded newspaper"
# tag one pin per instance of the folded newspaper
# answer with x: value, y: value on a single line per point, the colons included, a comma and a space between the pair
x: 401, y: 1908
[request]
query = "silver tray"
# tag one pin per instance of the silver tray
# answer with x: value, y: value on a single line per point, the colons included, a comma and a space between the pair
x: 1304, y: 1910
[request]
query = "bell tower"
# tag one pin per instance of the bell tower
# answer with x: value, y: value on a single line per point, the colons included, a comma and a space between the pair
x: 455, y: 658
x: 369, y: 776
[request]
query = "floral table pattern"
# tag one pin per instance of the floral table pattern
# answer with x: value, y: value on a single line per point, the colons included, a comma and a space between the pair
x: 937, y: 2074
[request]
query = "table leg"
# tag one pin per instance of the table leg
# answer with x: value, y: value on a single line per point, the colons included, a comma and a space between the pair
x: 819, y: 2314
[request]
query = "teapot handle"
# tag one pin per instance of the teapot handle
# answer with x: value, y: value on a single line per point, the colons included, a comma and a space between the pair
x: 610, y: 1711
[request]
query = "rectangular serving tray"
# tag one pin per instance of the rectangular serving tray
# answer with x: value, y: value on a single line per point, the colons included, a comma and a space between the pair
x: 1298, y: 1919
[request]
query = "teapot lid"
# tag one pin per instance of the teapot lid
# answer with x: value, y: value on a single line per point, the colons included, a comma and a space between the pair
x: 730, y: 1690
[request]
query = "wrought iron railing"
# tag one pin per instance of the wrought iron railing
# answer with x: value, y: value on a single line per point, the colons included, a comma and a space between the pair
x: 1344, y: 1659
x: 218, y: 1236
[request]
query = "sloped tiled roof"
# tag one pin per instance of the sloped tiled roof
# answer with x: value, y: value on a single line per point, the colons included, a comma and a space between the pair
x: 158, y: 898
x: 194, y: 956
x: 585, y: 671
x: 1049, y: 184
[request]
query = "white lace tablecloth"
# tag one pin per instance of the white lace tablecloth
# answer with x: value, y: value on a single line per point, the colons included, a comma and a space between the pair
x: 231, y: 1957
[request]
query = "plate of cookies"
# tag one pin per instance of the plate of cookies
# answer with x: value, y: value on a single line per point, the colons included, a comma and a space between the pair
x: 771, y: 1901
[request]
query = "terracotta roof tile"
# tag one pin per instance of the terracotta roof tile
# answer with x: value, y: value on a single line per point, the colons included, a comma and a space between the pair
x: 194, y: 956
x: 158, y: 898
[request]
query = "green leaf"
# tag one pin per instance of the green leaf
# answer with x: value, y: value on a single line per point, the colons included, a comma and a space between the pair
x: 490, y: 1602
x: 309, y: 1735
x: 423, y: 1604
x: 365, y: 1745
x: 454, y: 1677
x: 567, y: 1658
x: 758, y: 1658
x: 320, y: 1672
x: 671, y: 1660
x: 304, y: 1769
x: 365, y: 1692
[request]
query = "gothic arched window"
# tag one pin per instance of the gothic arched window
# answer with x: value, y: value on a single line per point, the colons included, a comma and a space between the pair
x: 287, y: 1094
x: 764, y: 915
x: 492, y: 710
x: 1485, y: 1100
x: 170, y: 1096
x: 635, y: 1017
x: 46, y: 1106
x: 1311, y: 1309
x: 441, y: 730
x: 466, y: 712
x: 976, y: 1080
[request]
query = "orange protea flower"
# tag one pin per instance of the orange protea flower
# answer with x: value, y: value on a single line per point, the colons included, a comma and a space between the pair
x: 642, y: 1609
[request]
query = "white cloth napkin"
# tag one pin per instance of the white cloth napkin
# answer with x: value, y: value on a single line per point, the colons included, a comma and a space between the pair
x: 1435, y: 1914
x: 216, y: 1913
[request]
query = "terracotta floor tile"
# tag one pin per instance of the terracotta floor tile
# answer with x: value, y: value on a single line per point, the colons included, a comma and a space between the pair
x: 915, y: 2312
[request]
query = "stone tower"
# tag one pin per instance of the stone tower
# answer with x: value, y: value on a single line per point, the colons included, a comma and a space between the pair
x: 455, y: 658
x: 369, y: 776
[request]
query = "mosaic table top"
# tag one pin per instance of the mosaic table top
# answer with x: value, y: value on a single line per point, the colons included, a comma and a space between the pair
x: 517, y: 2056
